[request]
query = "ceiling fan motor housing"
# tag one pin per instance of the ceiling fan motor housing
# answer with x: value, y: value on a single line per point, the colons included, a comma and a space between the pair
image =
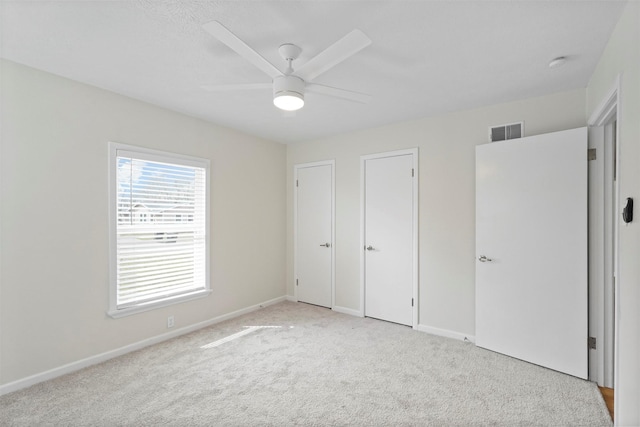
x: 288, y: 85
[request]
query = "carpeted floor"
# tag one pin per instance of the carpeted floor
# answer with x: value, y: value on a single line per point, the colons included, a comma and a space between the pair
x: 310, y: 366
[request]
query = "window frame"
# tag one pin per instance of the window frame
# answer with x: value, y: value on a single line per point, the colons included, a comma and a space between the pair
x: 167, y: 157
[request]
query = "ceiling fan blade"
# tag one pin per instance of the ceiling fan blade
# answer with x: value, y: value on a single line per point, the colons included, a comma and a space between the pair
x: 362, y: 98
x: 239, y: 86
x: 347, y: 46
x: 222, y: 33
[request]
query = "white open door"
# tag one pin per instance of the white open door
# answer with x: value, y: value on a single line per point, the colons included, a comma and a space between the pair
x: 531, y: 244
x: 314, y: 233
x: 389, y: 236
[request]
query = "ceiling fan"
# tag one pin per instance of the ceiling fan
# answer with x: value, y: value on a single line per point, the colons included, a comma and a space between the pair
x: 290, y: 86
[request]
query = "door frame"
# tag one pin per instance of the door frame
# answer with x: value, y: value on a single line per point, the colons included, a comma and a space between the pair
x: 604, y: 312
x: 296, y: 168
x: 414, y: 156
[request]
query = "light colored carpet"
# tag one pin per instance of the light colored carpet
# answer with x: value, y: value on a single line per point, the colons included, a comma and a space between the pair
x: 314, y: 367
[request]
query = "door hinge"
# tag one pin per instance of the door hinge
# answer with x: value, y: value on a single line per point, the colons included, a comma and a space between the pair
x: 592, y: 343
x: 411, y: 302
x: 296, y: 182
x: 591, y: 154
x: 412, y: 172
x: 296, y: 282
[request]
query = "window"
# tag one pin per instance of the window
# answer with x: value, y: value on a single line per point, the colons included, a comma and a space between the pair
x: 156, y: 258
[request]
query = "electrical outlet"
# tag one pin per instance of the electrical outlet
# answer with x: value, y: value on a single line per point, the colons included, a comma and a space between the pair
x: 170, y: 321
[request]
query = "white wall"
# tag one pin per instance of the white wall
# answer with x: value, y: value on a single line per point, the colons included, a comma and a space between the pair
x: 622, y: 55
x: 447, y: 198
x: 54, y: 260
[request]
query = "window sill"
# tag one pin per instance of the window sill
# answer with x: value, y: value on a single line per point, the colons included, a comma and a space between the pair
x: 123, y: 312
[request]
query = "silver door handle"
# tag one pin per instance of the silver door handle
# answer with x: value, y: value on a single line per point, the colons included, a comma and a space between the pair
x: 326, y: 245
x: 370, y: 248
x: 483, y: 258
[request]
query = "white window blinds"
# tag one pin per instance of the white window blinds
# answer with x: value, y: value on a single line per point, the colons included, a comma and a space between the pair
x: 161, y: 227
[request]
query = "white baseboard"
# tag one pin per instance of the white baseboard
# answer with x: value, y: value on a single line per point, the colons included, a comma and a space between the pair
x: 291, y: 298
x: 99, y: 358
x: 349, y: 311
x: 446, y: 333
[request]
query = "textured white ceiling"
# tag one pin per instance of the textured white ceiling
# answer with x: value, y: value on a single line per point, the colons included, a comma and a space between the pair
x: 427, y: 57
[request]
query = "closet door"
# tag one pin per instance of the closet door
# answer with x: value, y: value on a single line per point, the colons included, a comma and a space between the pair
x: 389, y: 236
x: 314, y: 233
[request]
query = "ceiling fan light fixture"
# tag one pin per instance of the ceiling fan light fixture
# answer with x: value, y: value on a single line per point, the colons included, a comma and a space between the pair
x: 291, y: 101
x: 288, y: 93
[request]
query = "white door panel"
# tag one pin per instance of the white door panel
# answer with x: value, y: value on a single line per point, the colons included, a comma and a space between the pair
x: 531, y: 222
x: 314, y: 244
x: 389, y: 210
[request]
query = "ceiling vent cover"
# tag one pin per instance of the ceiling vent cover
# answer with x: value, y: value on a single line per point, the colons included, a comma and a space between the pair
x: 504, y: 132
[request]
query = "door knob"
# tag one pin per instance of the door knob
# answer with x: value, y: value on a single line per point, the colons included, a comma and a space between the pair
x: 370, y: 248
x: 326, y: 245
x: 483, y: 258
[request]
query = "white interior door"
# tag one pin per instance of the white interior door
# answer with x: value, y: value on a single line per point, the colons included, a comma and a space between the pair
x: 314, y: 233
x: 389, y: 237
x: 531, y: 243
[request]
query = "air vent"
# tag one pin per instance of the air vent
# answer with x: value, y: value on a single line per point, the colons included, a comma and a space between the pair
x: 504, y: 132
